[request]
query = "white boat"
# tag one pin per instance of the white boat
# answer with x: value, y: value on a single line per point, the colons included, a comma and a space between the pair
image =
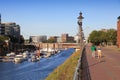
x: 18, y: 58
x: 25, y: 54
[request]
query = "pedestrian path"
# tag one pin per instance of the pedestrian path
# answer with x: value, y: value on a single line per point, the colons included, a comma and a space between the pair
x: 108, y: 68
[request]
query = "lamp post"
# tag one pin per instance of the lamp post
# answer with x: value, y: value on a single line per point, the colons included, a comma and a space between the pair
x: 80, y: 31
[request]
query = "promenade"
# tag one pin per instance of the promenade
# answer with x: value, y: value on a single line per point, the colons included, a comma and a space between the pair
x: 108, y: 68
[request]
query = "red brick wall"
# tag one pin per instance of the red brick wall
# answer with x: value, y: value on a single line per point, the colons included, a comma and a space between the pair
x: 118, y: 33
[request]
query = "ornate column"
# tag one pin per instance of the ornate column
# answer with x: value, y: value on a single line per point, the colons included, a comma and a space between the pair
x: 80, y: 30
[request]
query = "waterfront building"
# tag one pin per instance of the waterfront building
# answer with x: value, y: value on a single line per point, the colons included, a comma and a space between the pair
x: 11, y: 29
x: 118, y: 32
x: 59, y: 40
x: 76, y: 38
x: 64, y: 37
x: 37, y: 39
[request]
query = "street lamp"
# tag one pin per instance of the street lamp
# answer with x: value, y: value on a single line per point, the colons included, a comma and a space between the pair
x: 80, y: 31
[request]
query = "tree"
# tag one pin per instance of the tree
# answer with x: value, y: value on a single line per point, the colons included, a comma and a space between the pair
x: 99, y: 37
x: 21, y: 39
x: 111, y: 36
x: 94, y: 37
x: 51, y: 40
x: 3, y: 38
x: 30, y: 40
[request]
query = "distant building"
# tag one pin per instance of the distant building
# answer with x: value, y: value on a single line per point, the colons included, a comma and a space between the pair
x: 66, y: 38
x: 38, y: 39
x: 104, y: 30
x: 59, y: 40
x: 76, y: 38
x: 118, y: 32
x: 10, y: 29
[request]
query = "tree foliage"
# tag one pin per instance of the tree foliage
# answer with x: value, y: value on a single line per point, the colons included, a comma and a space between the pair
x: 99, y: 37
x: 21, y: 39
x: 51, y: 40
x: 3, y: 38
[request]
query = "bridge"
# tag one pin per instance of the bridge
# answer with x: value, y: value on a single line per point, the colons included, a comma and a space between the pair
x: 55, y: 45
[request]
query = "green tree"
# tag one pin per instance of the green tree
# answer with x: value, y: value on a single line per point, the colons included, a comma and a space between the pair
x: 99, y: 37
x: 3, y: 38
x: 21, y: 39
x: 94, y: 37
x: 111, y: 36
x: 51, y: 40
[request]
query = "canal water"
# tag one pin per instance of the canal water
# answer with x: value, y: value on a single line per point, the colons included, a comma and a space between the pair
x: 33, y: 70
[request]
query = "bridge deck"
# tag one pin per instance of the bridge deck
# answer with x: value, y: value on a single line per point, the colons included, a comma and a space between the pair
x: 108, y: 68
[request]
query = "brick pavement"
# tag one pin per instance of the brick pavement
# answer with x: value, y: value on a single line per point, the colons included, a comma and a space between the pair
x: 108, y: 68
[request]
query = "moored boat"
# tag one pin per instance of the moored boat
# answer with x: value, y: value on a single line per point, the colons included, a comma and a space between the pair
x: 18, y: 58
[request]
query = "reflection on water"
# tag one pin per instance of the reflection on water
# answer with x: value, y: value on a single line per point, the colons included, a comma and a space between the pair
x: 32, y: 70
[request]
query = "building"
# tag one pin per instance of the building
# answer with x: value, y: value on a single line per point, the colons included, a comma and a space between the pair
x: 64, y: 38
x: 118, y: 32
x: 104, y: 30
x: 76, y: 38
x: 59, y: 40
x: 10, y: 29
x: 38, y: 39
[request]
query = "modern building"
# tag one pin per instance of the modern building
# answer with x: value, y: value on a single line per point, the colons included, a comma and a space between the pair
x: 10, y: 29
x: 118, y: 32
x: 38, y: 39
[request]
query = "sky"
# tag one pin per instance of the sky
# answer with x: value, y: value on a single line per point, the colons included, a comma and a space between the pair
x: 54, y: 17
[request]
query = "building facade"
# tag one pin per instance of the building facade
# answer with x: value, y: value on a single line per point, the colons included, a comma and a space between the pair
x: 118, y: 33
x: 64, y: 38
x: 10, y: 29
x: 37, y: 39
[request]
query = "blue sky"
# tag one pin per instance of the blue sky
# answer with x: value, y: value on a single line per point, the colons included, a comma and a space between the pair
x: 54, y: 17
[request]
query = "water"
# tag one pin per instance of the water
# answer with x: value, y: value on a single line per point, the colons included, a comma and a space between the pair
x: 32, y: 70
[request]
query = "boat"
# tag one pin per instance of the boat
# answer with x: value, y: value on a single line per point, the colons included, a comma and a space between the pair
x: 18, y: 58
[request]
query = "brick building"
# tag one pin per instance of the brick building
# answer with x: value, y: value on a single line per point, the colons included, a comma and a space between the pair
x: 118, y: 32
x: 66, y: 38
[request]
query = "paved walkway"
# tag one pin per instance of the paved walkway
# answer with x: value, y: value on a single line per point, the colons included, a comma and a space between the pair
x: 108, y: 68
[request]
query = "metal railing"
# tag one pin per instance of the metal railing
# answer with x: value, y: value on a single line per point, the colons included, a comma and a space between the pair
x: 82, y: 69
x: 78, y: 68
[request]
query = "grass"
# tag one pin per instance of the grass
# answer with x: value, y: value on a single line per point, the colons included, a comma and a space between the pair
x: 67, y: 69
